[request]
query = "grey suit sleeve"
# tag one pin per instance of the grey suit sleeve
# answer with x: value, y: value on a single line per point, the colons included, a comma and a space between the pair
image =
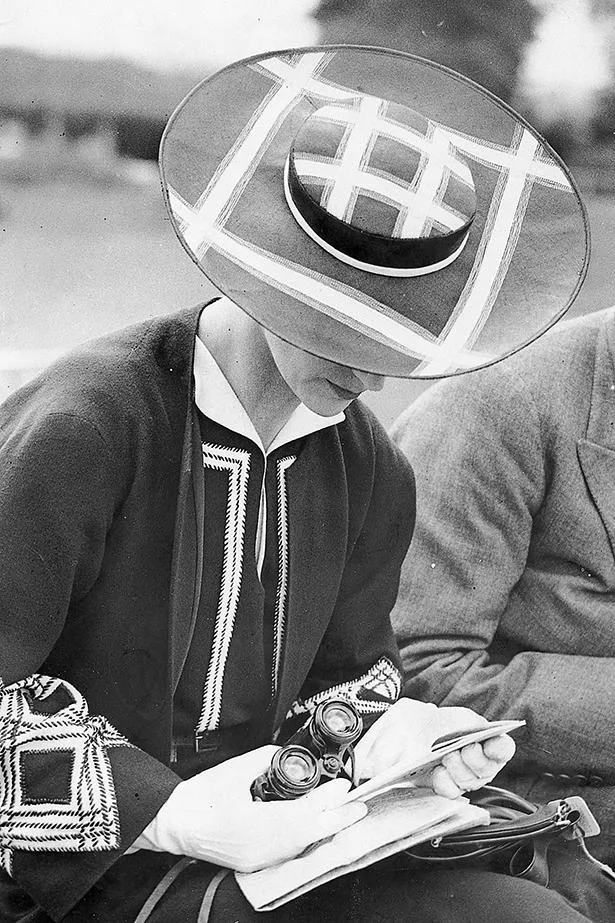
x: 476, y: 445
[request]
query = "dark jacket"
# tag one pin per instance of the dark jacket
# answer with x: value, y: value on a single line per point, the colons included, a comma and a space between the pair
x: 100, y: 525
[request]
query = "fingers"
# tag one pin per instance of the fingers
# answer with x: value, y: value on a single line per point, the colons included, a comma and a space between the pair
x: 443, y: 783
x: 471, y: 767
x: 326, y: 796
x: 320, y: 812
x: 330, y: 822
x: 476, y: 760
x: 265, y: 833
x: 482, y: 760
x: 456, y: 718
x: 501, y: 749
x: 463, y: 776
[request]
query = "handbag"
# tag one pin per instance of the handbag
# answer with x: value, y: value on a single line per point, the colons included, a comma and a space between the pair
x: 518, y: 837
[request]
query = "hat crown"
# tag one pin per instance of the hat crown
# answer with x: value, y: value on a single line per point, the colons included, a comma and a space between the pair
x: 382, y: 184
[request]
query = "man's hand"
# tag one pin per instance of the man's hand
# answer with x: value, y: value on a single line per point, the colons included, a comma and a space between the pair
x: 409, y: 729
x: 212, y: 817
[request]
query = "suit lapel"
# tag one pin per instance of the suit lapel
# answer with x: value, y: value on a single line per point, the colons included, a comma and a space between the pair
x: 598, y: 466
x: 596, y: 452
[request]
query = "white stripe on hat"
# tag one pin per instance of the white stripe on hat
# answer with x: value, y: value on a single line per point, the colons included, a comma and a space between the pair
x: 355, y: 150
x: 495, y: 252
x: 230, y: 179
x: 322, y: 89
x: 395, y: 131
x: 384, y: 188
x: 430, y: 185
x: 332, y: 298
x: 496, y: 155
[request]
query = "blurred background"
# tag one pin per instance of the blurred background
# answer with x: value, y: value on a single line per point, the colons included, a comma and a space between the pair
x: 87, y: 88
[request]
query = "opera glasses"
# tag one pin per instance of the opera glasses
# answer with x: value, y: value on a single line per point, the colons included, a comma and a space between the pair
x: 314, y: 754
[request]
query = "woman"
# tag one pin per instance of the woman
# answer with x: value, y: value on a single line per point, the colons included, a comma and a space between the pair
x: 202, y: 530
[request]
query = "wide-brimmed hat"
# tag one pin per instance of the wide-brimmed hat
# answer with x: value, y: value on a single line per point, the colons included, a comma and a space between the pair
x: 374, y: 208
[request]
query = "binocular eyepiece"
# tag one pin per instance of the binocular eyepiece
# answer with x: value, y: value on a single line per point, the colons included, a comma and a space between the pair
x: 314, y: 754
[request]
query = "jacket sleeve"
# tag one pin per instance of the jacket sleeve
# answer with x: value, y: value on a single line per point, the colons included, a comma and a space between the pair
x: 482, y: 471
x: 74, y: 793
x: 358, y: 657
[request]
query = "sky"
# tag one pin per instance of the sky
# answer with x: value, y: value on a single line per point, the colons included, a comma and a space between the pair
x: 158, y: 33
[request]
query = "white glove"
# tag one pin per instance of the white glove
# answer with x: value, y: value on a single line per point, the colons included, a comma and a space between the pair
x: 409, y: 728
x: 212, y: 817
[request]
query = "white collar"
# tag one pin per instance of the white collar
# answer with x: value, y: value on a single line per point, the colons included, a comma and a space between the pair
x: 215, y: 398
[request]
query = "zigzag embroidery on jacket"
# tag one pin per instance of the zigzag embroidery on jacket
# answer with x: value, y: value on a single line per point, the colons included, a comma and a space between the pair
x: 56, y: 785
x: 237, y: 463
x: 282, y: 588
x: 371, y: 694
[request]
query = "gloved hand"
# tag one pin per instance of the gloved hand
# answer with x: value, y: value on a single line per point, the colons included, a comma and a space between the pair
x: 212, y: 817
x: 409, y: 728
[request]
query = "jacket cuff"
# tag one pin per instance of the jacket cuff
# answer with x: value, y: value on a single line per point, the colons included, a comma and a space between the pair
x: 74, y: 793
x: 372, y: 694
x: 58, y: 880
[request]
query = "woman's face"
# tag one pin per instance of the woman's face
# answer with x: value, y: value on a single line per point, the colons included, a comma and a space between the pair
x: 323, y: 386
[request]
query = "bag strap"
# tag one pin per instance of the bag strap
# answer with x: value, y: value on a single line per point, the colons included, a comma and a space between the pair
x: 210, y: 893
x: 165, y: 883
x: 543, y: 820
x: 530, y: 862
x: 517, y: 825
x: 161, y: 888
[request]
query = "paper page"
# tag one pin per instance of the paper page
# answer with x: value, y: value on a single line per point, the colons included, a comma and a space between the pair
x: 400, y: 814
x: 405, y: 770
x: 395, y: 820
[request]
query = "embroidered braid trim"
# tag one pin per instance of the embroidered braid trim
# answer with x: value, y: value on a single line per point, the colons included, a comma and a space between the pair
x: 82, y: 814
x: 371, y: 694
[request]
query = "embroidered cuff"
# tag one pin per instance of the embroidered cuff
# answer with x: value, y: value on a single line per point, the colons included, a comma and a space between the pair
x: 371, y: 694
x: 56, y: 786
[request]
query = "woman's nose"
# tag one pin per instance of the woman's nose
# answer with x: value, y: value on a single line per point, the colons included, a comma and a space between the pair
x: 370, y: 381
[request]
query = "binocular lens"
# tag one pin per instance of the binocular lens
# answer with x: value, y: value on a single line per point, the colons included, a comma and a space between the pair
x: 294, y: 771
x: 339, y: 720
x: 297, y: 768
x: 337, y: 723
x: 316, y: 752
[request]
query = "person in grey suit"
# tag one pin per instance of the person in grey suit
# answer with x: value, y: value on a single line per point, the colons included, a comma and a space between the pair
x: 507, y: 597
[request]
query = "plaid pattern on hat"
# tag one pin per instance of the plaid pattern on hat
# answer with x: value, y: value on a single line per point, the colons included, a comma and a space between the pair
x: 370, y: 151
x: 223, y: 172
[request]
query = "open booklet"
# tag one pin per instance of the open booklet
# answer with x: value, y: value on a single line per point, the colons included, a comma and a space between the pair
x: 400, y: 814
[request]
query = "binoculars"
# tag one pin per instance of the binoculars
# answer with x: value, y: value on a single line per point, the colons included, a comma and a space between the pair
x: 314, y: 754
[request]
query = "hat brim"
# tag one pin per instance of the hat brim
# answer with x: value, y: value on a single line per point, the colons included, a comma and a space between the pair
x: 222, y: 164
